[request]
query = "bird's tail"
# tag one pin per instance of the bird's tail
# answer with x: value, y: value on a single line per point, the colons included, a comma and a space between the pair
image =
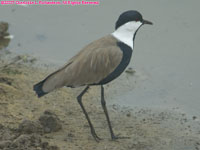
x: 38, y: 89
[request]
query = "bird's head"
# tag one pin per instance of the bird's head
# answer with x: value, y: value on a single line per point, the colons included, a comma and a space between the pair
x: 127, y: 26
x: 132, y: 20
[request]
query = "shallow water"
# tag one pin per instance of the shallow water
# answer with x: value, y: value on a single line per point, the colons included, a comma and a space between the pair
x: 166, y: 55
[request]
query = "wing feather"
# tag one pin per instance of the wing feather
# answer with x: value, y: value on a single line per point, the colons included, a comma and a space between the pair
x: 92, y: 64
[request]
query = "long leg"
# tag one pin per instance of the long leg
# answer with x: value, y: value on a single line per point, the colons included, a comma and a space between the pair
x: 103, y: 103
x: 79, y: 98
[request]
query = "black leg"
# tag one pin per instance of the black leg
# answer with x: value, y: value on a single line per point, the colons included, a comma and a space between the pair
x: 79, y: 98
x: 103, y: 103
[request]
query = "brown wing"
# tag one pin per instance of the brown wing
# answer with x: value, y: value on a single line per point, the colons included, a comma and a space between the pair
x: 95, y: 62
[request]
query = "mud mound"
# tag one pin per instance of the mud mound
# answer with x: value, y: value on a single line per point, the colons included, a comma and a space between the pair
x: 13, y: 140
x: 29, y: 127
x: 50, y: 122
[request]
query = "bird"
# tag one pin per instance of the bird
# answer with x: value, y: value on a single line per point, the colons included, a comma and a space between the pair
x: 97, y: 64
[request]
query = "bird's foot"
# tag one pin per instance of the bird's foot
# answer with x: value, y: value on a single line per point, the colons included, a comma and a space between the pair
x: 97, y: 139
x: 118, y: 137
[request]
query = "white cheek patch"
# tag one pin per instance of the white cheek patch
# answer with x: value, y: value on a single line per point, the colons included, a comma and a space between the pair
x: 126, y: 32
x: 133, y: 25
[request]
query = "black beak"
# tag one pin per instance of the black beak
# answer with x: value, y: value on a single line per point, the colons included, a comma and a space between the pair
x: 147, y: 22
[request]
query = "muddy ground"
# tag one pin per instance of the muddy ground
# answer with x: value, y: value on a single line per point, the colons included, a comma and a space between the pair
x: 56, y: 121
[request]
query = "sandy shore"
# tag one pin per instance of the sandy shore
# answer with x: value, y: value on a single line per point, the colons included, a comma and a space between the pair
x: 21, y: 112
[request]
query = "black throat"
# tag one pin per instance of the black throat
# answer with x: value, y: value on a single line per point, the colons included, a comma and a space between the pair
x: 136, y: 33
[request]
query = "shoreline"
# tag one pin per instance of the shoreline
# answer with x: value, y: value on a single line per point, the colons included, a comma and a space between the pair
x: 146, y: 128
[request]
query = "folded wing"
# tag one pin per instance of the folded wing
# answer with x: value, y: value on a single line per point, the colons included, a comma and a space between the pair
x: 91, y: 65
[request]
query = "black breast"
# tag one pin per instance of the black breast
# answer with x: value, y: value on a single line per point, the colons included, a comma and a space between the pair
x: 127, y: 53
